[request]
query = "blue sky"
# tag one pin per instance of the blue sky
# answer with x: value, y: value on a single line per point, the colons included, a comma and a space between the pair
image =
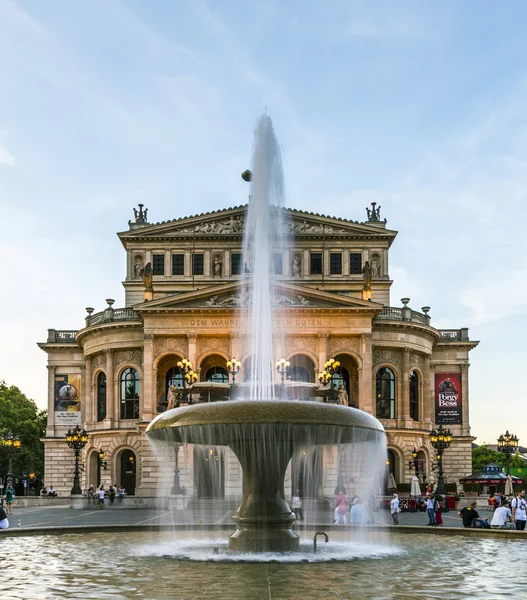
x: 419, y: 106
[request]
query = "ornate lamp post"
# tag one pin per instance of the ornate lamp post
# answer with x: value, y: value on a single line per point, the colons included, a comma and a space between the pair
x: 11, y: 444
x: 508, y: 444
x: 176, y: 485
x: 76, y: 439
x: 282, y: 366
x: 189, y: 376
x: 440, y: 440
x: 414, y: 463
x: 100, y: 457
x: 233, y: 366
x: 331, y: 367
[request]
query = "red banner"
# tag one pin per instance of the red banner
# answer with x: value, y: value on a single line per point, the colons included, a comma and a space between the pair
x: 448, y: 399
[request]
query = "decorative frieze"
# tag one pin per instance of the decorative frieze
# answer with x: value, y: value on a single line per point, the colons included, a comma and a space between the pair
x: 301, y: 343
x: 344, y: 343
x: 206, y: 344
x: 134, y: 357
x: 178, y: 345
x: 416, y: 360
x: 99, y: 360
x: 381, y: 355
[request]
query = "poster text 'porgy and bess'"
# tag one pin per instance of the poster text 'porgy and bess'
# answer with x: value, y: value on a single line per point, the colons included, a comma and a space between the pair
x: 448, y: 399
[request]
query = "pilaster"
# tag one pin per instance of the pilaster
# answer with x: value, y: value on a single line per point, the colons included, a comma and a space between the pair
x: 148, y: 391
x: 110, y: 390
x: 323, y: 338
x: 192, y: 347
x: 50, y: 429
x: 465, y: 398
x: 405, y: 388
x: 428, y: 391
x: 366, y: 390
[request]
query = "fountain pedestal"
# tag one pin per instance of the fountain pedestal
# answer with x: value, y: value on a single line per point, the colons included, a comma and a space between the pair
x: 264, y: 519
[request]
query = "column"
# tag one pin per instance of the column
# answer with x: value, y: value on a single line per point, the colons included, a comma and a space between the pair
x: 148, y: 391
x: 90, y: 411
x: 428, y: 391
x: 192, y: 348
x: 85, y: 411
x: 110, y: 389
x: 464, y: 399
x: 405, y: 388
x: 366, y: 389
x: 168, y: 263
x: 306, y: 264
x: 50, y: 429
x: 323, y: 338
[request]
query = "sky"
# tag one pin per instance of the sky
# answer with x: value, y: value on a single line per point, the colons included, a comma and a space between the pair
x: 419, y: 106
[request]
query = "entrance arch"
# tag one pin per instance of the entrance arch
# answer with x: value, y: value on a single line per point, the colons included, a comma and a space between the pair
x: 209, y: 471
x: 348, y: 376
x: 302, y: 368
x: 167, y: 375
x: 94, y: 469
x: 214, y: 368
x: 305, y: 472
x: 127, y: 463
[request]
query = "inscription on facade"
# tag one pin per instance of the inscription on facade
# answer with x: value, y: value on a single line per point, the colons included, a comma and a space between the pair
x: 234, y: 322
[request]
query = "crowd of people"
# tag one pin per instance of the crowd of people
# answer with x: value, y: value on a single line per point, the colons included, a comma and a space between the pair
x: 100, y: 494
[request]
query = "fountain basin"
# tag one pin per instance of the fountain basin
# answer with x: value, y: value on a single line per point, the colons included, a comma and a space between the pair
x: 263, y: 434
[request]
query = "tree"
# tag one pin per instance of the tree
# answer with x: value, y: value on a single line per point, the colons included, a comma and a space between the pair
x: 483, y: 455
x: 20, y: 414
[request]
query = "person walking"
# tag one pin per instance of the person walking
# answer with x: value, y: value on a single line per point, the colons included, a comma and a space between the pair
x: 101, y: 494
x: 519, y: 514
x: 431, y: 509
x: 340, y: 509
x: 296, y: 505
x: 358, y: 513
x: 394, y: 509
x: 502, y: 518
x: 91, y: 494
x: 9, y: 495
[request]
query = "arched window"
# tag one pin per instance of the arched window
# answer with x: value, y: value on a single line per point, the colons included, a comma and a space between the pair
x: 101, y: 397
x: 217, y: 374
x: 129, y: 394
x: 385, y: 391
x: 299, y: 373
x: 414, y: 396
x: 174, y: 377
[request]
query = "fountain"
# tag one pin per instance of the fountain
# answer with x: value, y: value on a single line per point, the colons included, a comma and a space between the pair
x: 262, y: 430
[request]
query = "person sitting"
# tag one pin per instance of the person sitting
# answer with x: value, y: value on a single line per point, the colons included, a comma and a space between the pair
x: 44, y: 491
x: 121, y: 494
x: 51, y: 492
x: 502, y: 518
x: 471, y: 518
x: 4, y: 523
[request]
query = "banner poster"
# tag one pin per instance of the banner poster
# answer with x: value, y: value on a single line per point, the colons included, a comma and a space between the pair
x: 448, y: 399
x: 68, y: 399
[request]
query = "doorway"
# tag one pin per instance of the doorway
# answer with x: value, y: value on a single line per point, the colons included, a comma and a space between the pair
x: 128, y: 471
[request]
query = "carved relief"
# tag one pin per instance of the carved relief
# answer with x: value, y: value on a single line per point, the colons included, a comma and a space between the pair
x: 242, y: 299
x: 416, y: 359
x: 129, y: 356
x: 177, y: 345
x: 344, y: 343
x: 206, y: 344
x: 99, y: 361
x: 301, y: 343
x: 386, y: 355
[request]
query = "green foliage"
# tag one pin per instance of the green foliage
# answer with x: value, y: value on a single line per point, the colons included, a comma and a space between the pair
x: 21, y: 415
x: 482, y: 455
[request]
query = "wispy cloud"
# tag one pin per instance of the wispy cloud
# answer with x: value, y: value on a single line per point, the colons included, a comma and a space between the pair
x: 6, y: 158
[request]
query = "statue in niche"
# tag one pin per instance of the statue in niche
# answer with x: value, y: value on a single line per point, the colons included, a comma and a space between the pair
x: 366, y: 271
x: 138, y: 267
x: 296, y: 267
x: 217, y: 267
x: 147, y: 276
x: 375, y: 267
x: 343, y: 395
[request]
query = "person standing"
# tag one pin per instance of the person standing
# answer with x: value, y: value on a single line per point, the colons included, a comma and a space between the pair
x: 340, y: 509
x: 519, y: 507
x: 101, y: 494
x: 358, y: 513
x: 122, y: 492
x: 4, y: 523
x: 502, y: 518
x: 111, y: 494
x: 431, y: 509
x: 9, y: 495
x: 394, y: 509
x: 296, y: 505
x: 91, y: 494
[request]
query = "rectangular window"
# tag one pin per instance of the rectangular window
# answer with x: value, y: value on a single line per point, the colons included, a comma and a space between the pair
x: 335, y: 263
x: 236, y: 264
x: 178, y: 264
x: 158, y: 264
x: 197, y: 264
x: 316, y: 263
x: 277, y: 263
x: 355, y: 263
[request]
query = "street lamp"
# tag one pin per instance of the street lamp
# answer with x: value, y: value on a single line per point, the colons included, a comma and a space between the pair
x: 331, y: 367
x: 76, y: 439
x: 11, y: 444
x: 440, y: 440
x: 233, y: 366
x: 282, y: 366
x: 508, y: 444
x: 189, y: 376
x: 414, y: 463
x: 176, y: 485
x: 100, y: 456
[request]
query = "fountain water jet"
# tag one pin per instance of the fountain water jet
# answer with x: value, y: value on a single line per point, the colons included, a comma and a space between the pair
x: 262, y: 431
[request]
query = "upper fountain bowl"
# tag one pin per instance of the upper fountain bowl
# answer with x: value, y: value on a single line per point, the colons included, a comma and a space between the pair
x: 313, y: 422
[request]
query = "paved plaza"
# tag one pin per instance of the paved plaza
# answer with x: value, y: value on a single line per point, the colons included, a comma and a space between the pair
x: 63, y: 516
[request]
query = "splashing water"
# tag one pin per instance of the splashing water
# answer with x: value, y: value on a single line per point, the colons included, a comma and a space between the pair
x: 265, y: 233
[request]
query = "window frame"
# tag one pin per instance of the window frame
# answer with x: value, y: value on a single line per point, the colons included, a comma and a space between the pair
x: 101, y: 402
x: 129, y: 406
x: 312, y: 256
x: 336, y: 255
x: 239, y: 257
x: 155, y: 267
x: 178, y: 255
x: 195, y: 256
x: 413, y: 391
x: 355, y: 272
x: 382, y: 400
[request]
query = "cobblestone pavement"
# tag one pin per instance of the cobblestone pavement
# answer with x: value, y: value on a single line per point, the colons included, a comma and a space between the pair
x: 63, y: 516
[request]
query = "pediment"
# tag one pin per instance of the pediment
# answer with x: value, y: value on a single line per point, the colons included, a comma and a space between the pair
x: 236, y: 295
x: 230, y: 222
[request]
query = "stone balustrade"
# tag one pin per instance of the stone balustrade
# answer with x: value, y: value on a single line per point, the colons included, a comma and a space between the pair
x: 112, y: 314
x: 454, y: 335
x: 393, y: 313
x: 62, y: 336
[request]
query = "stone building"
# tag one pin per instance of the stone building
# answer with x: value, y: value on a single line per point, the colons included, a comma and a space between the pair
x: 184, y: 298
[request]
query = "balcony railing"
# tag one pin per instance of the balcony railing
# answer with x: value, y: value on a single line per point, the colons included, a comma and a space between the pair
x: 62, y: 336
x: 112, y: 314
x: 454, y: 335
x: 393, y: 313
